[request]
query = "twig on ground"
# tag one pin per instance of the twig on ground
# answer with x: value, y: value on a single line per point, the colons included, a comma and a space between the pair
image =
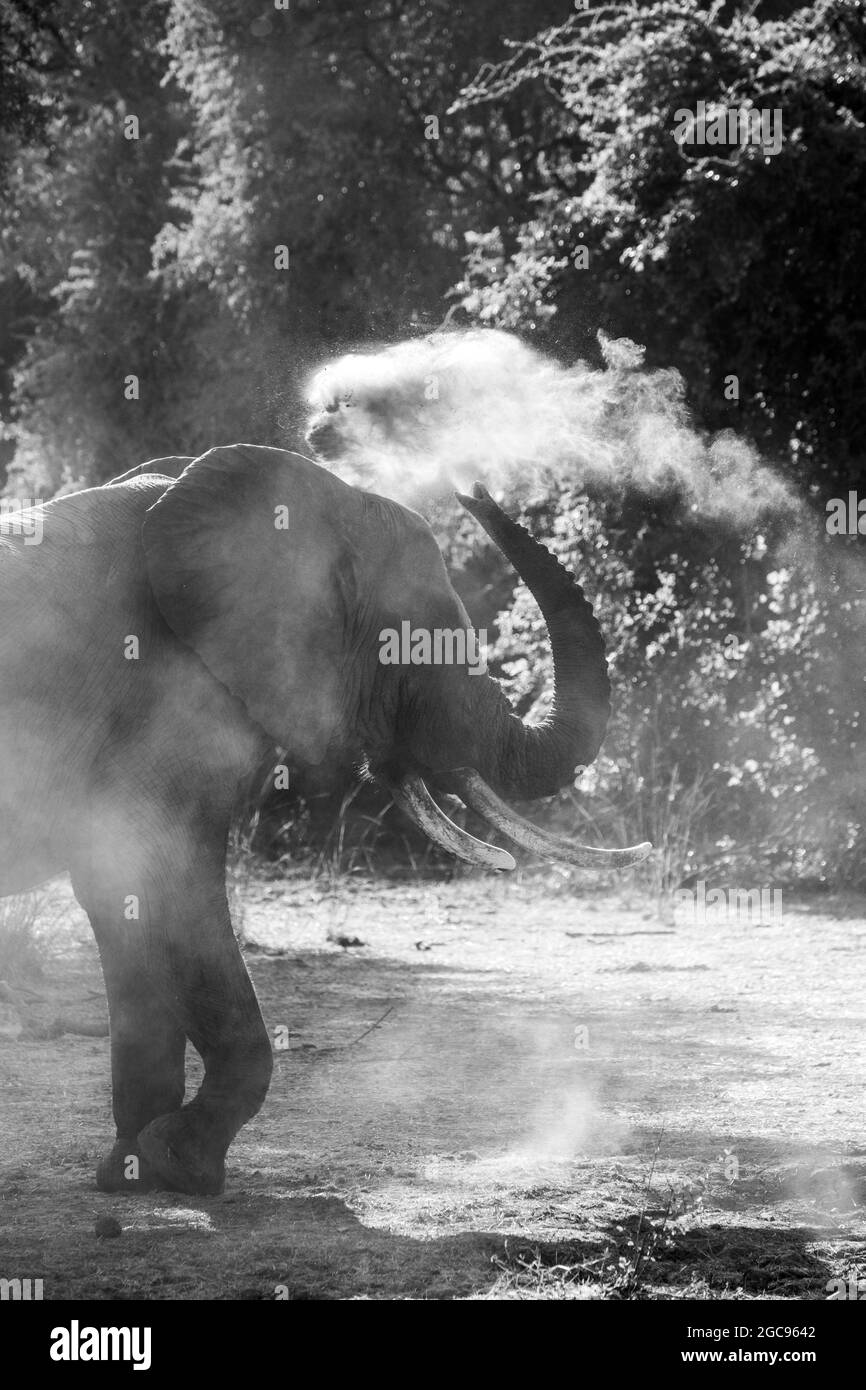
x: 342, y: 1047
x: 666, y: 931
x: 60, y: 1025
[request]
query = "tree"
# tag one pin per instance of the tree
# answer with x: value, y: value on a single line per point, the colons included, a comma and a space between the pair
x: 86, y: 195
x: 296, y: 185
x: 719, y: 258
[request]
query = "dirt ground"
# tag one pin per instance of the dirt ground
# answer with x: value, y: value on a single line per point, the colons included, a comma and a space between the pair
x: 482, y: 1089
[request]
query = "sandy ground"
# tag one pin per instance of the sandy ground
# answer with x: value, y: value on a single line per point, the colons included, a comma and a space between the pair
x: 502, y: 1090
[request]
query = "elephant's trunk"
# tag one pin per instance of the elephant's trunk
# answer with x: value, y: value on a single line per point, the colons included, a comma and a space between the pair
x: 527, y: 761
x: 536, y: 760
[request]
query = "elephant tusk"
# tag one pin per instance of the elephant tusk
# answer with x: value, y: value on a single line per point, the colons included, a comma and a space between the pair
x: 412, y: 796
x: 476, y: 793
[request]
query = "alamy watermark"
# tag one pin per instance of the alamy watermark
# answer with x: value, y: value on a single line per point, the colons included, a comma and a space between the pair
x: 77, y: 1343
x: 852, y: 1289
x: 760, y: 906
x: 733, y: 126
x: 846, y: 517
x: 22, y: 516
x: 438, y: 646
x: 20, y: 1290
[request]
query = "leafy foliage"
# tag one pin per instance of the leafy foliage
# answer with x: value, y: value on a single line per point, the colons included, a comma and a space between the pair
x: 721, y: 261
x: 738, y: 679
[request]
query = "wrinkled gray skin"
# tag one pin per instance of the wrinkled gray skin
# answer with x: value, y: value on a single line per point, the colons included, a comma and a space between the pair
x: 125, y: 771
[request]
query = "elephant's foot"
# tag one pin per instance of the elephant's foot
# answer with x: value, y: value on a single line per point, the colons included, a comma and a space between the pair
x: 182, y: 1156
x: 124, y: 1170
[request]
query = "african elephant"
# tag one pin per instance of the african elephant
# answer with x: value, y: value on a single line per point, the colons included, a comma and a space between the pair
x: 171, y: 627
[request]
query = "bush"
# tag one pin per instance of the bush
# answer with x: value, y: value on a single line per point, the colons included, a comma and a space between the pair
x: 19, y: 950
x: 737, y: 668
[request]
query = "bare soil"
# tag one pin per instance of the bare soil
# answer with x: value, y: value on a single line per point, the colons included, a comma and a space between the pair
x: 503, y: 1090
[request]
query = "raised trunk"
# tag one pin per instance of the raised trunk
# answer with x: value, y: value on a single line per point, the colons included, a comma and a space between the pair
x: 536, y: 760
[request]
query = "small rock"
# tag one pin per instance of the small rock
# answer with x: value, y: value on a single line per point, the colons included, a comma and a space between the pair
x: 107, y: 1228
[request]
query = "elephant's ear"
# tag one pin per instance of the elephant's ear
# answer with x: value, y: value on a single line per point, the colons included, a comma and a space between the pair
x: 251, y: 555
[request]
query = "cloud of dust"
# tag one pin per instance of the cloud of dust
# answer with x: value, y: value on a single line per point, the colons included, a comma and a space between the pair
x: 489, y: 1092
x: 421, y: 417
x: 564, y: 1120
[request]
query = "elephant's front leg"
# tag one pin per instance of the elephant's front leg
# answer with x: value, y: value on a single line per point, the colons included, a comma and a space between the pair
x: 148, y: 1048
x: 173, y: 970
x: 148, y: 1043
x: 222, y: 1019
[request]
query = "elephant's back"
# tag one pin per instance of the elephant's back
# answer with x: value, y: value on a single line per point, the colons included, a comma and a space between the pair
x: 50, y: 548
x: 72, y: 589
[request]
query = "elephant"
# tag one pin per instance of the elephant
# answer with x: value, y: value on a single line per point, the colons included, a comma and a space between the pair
x: 171, y: 627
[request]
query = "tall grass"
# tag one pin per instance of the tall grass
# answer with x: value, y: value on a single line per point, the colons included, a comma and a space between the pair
x: 656, y: 804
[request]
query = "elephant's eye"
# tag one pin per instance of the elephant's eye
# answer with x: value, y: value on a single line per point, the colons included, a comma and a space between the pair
x: 330, y: 409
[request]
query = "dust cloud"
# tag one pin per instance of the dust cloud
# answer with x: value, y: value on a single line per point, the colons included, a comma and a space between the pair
x: 422, y: 417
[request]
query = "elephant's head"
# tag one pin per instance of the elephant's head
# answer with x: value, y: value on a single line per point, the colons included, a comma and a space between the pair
x: 286, y: 581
